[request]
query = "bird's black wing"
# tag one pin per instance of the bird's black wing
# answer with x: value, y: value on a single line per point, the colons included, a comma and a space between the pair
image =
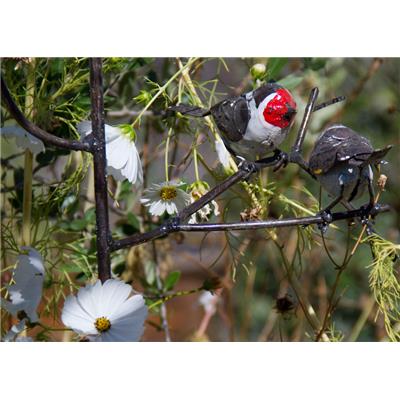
x: 339, y: 144
x: 232, y: 116
x: 187, y: 109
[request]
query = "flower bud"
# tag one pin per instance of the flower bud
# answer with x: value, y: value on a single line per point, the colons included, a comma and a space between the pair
x: 382, y: 182
x: 258, y: 71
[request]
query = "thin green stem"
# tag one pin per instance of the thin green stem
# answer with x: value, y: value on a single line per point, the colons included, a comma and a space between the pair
x: 166, y: 165
x: 173, y: 295
x: 27, y: 199
x: 28, y: 162
x: 196, y: 166
x: 206, y: 166
x: 359, y: 325
x: 163, y: 88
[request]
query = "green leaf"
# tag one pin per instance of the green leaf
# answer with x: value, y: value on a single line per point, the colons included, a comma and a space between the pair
x: 90, y: 215
x: 134, y: 221
x: 71, y: 268
x: 171, y: 280
x: 143, y: 97
x: 77, y: 224
x: 291, y: 81
x: 275, y: 66
x: 314, y: 63
x: 57, y: 65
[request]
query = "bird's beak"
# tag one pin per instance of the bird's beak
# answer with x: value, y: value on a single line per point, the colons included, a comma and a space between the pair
x: 290, y: 113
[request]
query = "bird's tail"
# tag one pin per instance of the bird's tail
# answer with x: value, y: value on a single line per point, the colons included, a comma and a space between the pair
x: 377, y: 156
x: 193, y: 111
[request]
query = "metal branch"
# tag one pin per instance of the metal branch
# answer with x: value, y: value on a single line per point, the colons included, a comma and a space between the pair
x: 295, y: 154
x: 34, y: 130
x: 174, y: 226
x: 280, y: 223
x: 306, y: 119
x: 329, y: 103
x: 103, y: 236
x: 140, y: 238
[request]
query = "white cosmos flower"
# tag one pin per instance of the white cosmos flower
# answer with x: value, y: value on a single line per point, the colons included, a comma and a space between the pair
x: 166, y: 196
x: 199, y: 190
x: 23, y: 138
x: 123, y: 161
x: 222, y: 153
x: 106, y: 312
x: 26, y: 292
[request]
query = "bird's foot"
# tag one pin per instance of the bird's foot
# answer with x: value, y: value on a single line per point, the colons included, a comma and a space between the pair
x: 326, y: 216
x: 171, y: 225
x: 282, y: 160
x: 367, y: 211
x: 248, y: 166
x: 278, y: 160
x: 374, y: 209
x: 295, y: 157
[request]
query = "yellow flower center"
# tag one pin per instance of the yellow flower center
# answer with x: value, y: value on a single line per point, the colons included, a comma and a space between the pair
x: 196, y: 195
x: 102, y: 324
x: 168, y: 193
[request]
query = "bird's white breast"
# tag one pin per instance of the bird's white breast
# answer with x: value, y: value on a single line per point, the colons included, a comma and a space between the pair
x: 260, y: 131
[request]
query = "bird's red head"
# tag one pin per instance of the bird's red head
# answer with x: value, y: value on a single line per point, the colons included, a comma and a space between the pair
x: 281, y: 109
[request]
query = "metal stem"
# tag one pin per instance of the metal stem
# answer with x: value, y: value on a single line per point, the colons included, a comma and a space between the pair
x: 170, y: 227
x: 99, y: 166
x: 33, y: 129
x: 306, y: 119
x: 281, y: 223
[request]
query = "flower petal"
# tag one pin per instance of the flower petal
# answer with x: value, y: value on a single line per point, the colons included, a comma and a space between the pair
x: 116, y: 173
x: 118, y: 152
x: 171, y: 207
x: 129, y: 168
x: 114, y: 294
x: 84, y: 128
x: 222, y: 153
x: 87, y: 301
x: 157, y: 208
x: 75, y: 317
x: 126, y: 333
x: 139, y: 168
x: 112, y: 133
x: 134, y: 305
x: 133, y: 169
